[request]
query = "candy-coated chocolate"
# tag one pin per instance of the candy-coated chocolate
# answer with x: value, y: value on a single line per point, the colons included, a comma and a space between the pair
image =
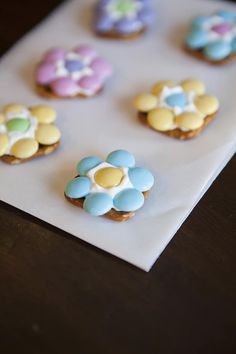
x: 2, y: 118
x: 129, y: 200
x: 176, y: 100
x: 45, y: 73
x: 197, y: 39
x: 74, y: 65
x: 14, y: 108
x: 158, y: 87
x: 121, y: 158
x: 141, y: 178
x: 199, y: 21
x: 87, y: 164
x: 44, y: 114
x: 108, y: 177
x: 90, y: 83
x: 64, y: 87
x: 207, y: 104
x: 189, y: 120
x: 86, y: 51
x: 196, y: 86
x: 77, y: 188
x: 161, y: 119
x: 54, y: 54
x: 145, y: 102
x: 217, y: 50
x: 98, y: 204
x: 47, y: 134
x: 3, y: 144
x: 24, y: 148
x: 101, y: 68
x: 18, y: 125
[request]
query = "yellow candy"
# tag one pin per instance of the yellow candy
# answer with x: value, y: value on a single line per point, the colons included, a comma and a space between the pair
x: 193, y: 85
x: 145, y: 102
x: 161, y: 119
x: 3, y: 144
x: 207, y: 104
x: 14, y: 108
x: 189, y: 120
x: 24, y: 148
x: 44, y: 114
x: 2, y: 118
x: 47, y: 134
x: 158, y: 87
x: 108, y: 177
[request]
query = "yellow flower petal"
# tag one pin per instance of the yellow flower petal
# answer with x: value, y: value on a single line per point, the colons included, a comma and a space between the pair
x: 47, y: 134
x: 3, y: 144
x: 158, y: 87
x: 24, y: 148
x: 161, y: 119
x: 44, y: 114
x: 193, y: 85
x: 207, y: 104
x: 189, y: 120
x: 14, y: 108
x: 145, y: 102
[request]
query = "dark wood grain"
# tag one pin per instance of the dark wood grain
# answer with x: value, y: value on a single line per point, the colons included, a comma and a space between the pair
x: 60, y: 295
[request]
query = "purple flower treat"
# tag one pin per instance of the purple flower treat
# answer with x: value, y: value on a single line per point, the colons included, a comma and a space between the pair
x: 77, y: 73
x: 123, y: 19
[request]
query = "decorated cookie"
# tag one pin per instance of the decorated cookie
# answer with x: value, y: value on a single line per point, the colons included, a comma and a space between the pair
x: 26, y: 133
x: 77, y: 73
x: 115, y: 188
x: 213, y: 38
x: 123, y: 19
x: 179, y: 110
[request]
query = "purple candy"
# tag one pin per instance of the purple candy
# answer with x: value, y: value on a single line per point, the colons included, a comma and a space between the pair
x: 222, y: 28
x: 64, y: 87
x: 91, y: 83
x: 102, y: 69
x: 146, y: 16
x: 127, y: 25
x: 54, y: 54
x: 74, y: 65
x: 86, y: 51
x: 45, y: 73
x: 104, y: 23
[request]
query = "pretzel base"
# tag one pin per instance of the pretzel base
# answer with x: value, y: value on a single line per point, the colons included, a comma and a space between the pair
x: 46, y: 92
x: 115, y: 35
x: 200, y: 55
x: 42, y: 151
x: 113, y: 214
x: 178, y: 133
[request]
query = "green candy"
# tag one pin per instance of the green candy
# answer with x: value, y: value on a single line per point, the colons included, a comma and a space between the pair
x: 124, y: 6
x: 18, y: 125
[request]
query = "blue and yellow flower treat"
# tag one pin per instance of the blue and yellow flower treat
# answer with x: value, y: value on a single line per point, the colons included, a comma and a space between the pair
x: 213, y: 38
x: 115, y: 188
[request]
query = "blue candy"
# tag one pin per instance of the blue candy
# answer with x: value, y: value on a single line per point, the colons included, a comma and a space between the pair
x: 129, y: 200
x: 199, y: 21
x: 98, y: 204
x: 141, y: 178
x: 217, y: 50
x: 197, y: 39
x: 233, y: 44
x: 121, y: 158
x: 227, y: 15
x: 74, y: 65
x: 177, y: 100
x: 104, y: 23
x: 87, y: 164
x: 78, y: 188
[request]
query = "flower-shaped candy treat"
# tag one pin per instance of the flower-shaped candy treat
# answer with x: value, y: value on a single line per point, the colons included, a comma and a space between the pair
x: 179, y: 110
x: 26, y: 133
x: 79, y: 72
x: 115, y: 188
x: 213, y: 38
x: 124, y: 19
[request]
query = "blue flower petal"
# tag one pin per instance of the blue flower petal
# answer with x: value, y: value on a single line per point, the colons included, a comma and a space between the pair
x: 121, y: 158
x: 98, y: 204
x: 199, y: 21
x: 87, y: 164
x: 233, y: 44
x: 127, y: 26
x: 217, y: 50
x: 197, y: 39
x: 78, y: 187
x: 227, y: 15
x: 141, y: 178
x: 128, y: 200
x: 177, y: 100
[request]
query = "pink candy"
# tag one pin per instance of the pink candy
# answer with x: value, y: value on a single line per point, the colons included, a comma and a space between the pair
x: 86, y: 51
x: 54, y: 54
x: 64, y: 87
x: 101, y: 68
x: 45, y: 73
x: 222, y: 28
x: 90, y: 83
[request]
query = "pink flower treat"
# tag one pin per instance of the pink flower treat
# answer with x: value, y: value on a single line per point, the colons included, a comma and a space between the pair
x: 77, y: 73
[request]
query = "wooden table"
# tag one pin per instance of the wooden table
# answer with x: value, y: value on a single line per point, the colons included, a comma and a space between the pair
x: 60, y: 295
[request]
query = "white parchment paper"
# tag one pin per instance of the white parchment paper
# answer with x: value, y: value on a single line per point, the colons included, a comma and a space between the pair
x: 183, y: 170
